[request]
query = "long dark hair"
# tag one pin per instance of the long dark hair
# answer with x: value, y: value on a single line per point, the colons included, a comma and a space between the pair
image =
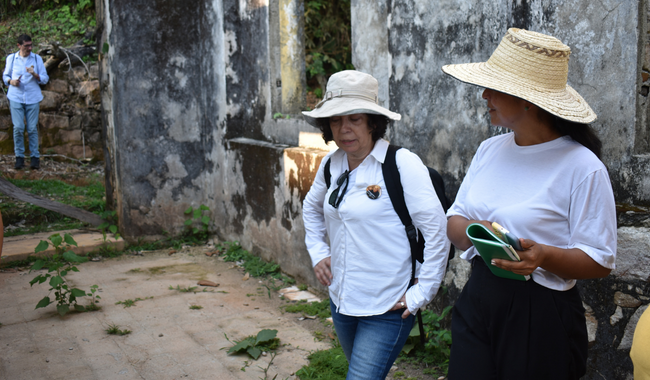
x: 378, y: 124
x: 581, y: 133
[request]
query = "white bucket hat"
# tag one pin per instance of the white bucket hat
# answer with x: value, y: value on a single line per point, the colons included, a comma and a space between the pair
x: 349, y: 92
x: 531, y: 66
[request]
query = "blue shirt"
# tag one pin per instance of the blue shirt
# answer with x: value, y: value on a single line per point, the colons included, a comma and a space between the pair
x: 28, y: 92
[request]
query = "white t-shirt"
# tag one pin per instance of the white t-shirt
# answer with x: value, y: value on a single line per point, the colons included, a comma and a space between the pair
x: 557, y: 193
x: 371, y: 256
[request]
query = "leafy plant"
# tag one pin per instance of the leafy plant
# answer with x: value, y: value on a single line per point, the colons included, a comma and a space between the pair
x: 197, y: 217
x: 437, y: 346
x: 94, y: 299
x: 110, y: 225
x: 254, y: 345
x: 188, y: 289
x: 325, y: 365
x: 58, y: 266
x: 251, y: 263
x: 114, y: 329
x: 320, y: 309
x: 196, y: 307
x: 327, y: 40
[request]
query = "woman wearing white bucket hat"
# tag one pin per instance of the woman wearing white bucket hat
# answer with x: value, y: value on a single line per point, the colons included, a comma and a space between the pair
x: 544, y: 181
x: 367, y: 263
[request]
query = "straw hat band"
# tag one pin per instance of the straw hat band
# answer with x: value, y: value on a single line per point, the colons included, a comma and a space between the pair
x: 365, y: 95
x: 538, y: 67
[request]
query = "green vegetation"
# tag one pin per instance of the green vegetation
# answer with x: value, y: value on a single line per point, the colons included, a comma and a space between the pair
x: 130, y: 302
x: 325, y: 365
x: 114, y: 329
x: 87, y: 194
x: 65, y: 21
x: 437, y: 346
x: 197, y: 224
x: 189, y: 289
x: 327, y: 41
x: 252, y: 264
x: 58, y: 266
x: 320, y: 309
x: 254, y: 345
x: 196, y: 307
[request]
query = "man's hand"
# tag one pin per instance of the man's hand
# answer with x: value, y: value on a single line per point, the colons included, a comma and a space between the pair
x: 30, y: 69
x: 324, y: 272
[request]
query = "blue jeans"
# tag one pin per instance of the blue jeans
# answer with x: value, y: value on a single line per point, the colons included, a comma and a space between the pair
x: 371, y: 344
x: 19, y: 113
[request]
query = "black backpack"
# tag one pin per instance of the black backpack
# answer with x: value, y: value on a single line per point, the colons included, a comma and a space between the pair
x: 396, y: 194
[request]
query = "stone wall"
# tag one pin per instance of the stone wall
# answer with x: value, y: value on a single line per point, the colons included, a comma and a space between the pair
x: 188, y: 115
x: 69, y: 123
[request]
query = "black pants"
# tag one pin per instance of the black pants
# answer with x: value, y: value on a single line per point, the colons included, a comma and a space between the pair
x: 508, y: 329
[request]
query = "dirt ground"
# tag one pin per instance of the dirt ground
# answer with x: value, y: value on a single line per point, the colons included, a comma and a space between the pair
x: 77, y: 172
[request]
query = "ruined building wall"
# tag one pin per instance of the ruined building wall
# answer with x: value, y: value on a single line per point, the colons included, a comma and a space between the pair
x: 201, y: 101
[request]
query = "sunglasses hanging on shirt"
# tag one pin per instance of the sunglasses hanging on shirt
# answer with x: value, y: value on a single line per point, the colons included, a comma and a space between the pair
x: 335, y: 199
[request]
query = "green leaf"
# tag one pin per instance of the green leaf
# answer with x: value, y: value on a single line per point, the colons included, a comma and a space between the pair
x: 79, y: 308
x: 188, y: 222
x: 68, y: 239
x: 197, y: 214
x: 105, y: 48
x: 113, y: 228
x: 204, y: 208
x: 71, y: 257
x: 56, y: 240
x: 205, y: 220
x: 265, y: 335
x: 38, y: 264
x: 56, y: 281
x: 189, y: 210
x: 78, y: 292
x: 63, y: 309
x: 42, y: 246
x: 243, y: 345
x: 42, y: 303
x: 103, y: 225
x: 254, y: 352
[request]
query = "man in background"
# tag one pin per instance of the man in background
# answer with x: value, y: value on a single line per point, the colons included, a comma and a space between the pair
x: 24, y: 72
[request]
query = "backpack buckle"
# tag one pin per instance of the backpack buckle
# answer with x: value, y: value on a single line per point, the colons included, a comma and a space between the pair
x: 411, y: 233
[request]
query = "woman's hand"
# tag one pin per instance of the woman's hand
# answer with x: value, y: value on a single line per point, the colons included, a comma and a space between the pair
x: 572, y: 263
x: 401, y: 304
x: 323, y: 271
x: 531, y: 258
x: 456, y: 226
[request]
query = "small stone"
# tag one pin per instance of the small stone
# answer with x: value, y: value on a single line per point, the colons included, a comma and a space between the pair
x: 245, y: 304
x: 207, y: 283
x: 160, y: 335
x: 625, y: 300
x: 70, y: 348
x: 47, y: 360
x: 264, y: 353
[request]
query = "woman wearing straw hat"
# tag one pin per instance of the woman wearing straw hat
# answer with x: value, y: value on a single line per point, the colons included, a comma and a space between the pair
x: 367, y: 263
x: 544, y: 182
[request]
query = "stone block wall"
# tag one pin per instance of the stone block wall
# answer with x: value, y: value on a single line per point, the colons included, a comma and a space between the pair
x: 70, y: 116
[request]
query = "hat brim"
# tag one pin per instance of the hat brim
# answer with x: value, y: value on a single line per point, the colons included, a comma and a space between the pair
x: 347, y: 106
x: 566, y: 104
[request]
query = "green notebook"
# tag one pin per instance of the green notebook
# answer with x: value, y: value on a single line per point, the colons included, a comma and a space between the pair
x: 489, y: 246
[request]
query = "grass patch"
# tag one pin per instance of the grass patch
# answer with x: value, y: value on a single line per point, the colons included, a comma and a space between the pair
x: 252, y: 264
x: 196, y: 307
x: 325, y: 365
x: 115, y: 330
x: 320, y: 309
x: 130, y: 302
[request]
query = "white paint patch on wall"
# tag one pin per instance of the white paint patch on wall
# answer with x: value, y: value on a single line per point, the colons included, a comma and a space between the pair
x: 175, y: 168
x: 230, y: 43
x: 181, y: 121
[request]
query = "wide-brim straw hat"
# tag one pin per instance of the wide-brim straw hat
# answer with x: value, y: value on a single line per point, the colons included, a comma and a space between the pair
x: 531, y: 66
x: 349, y: 92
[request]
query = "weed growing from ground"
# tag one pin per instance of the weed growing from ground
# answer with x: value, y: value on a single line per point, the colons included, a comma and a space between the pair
x: 252, y: 264
x: 437, y: 346
x: 115, y: 330
x: 196, y: 307
x: 189, y: 289
x: 325, y: 365
x: 130, y: 302
x: 320, y: 309
x: 58, y: 266
x: 254, y: 345
x: 198, y: 223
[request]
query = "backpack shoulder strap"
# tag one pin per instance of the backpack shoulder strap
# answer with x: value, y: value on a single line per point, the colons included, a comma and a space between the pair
x: 326, y: 172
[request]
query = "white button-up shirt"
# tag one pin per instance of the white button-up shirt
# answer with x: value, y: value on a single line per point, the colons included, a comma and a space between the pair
x: 371, y: 256
x: 28, y: 92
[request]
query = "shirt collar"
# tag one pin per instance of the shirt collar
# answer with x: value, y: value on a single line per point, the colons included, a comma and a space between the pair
x: 380, y: 149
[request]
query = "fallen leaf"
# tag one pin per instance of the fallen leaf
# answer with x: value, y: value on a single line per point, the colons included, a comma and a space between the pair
x: 246, y: 277
x: 207, y: 283
x: 210, y: 253
x: 172, y: 252
x: 331, y: 336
